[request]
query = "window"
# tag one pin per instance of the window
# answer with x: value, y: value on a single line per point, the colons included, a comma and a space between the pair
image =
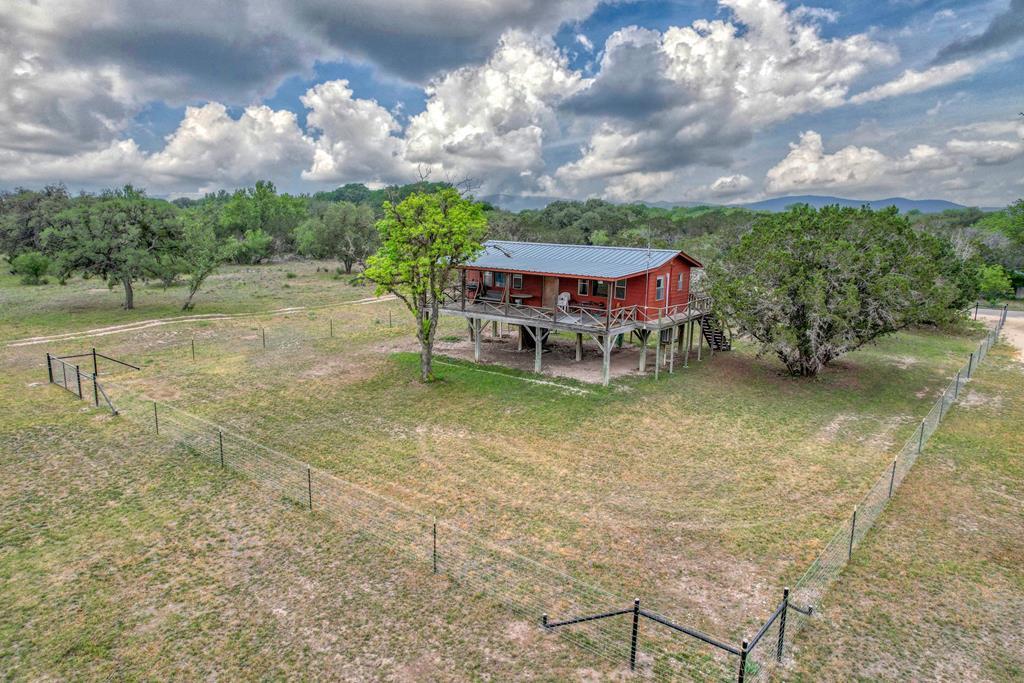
x: 659, y: 288
x: 679, y: 283
x: 583, y: 287
x: 488, y: 278
x: 620, y: 289
x: 499, y: 280
x: 599, y: 288
x: 517, y: 281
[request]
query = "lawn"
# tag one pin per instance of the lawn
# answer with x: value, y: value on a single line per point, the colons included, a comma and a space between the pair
x: 703, y: 493
x: 936, y: 591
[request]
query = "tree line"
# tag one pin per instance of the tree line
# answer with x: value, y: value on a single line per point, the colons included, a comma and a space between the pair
x: 807, y: 285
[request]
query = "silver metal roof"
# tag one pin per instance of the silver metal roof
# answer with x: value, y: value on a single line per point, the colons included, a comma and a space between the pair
x: 608, y: 263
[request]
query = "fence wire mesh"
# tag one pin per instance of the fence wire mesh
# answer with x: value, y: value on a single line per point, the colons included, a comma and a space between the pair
x: 524, y: 586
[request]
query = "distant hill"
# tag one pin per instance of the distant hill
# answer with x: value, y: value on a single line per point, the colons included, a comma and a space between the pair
x: 816, y: 201
x: 519, y: 203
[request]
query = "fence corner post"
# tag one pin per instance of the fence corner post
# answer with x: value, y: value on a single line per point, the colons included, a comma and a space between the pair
x: 892, y: 476
x: 49, y: 367
x: 743, y: 662
x: 853, y: 530
x: 782, y: 625
x: 309, y: 486
x: 95, y: 364
x: 636, y: 629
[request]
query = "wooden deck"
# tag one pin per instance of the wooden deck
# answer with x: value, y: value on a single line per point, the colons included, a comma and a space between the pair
x: 575, y: 318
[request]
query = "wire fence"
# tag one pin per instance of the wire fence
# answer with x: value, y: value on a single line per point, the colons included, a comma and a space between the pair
x: 615, y: 630
x: 822, y: 573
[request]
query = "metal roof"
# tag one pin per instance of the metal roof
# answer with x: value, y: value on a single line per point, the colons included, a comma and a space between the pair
x: 609, y: 263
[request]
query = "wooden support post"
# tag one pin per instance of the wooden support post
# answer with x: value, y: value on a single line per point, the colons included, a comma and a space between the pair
x: 494, y: 329
x: 606, y: 361
x: 683, y: 344
x: 657, y: 353
x: 538, y: 349
x: 689, y: 342
x: 642, y: 334
x: 579, y: 347
x: 700, y: 338
x: 672, y: 349
x: 476, y: 339
x: 519, y: 338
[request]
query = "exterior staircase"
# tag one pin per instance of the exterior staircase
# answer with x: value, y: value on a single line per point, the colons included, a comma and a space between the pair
x: 715, y: 334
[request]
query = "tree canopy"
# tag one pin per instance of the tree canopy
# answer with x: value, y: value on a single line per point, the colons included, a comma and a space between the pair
x: 424, y: 238
x: 344, y: 231
x: 811, y: 285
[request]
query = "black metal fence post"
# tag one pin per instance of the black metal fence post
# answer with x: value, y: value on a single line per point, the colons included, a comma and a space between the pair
x: 743, y: 662
x: 95, y: 391
x: 782, y: 625
x: 263, y: 332
x: 331, y: 320
x: 220, y: 444
x: 920, y: 439
x: 853, y: 530
x: 956, y: 390
x: 970, y: 365
x: 435, y: 556
x: 309, y: 485
x: 49, y: 367
x: 156, y: 420
x: 636, y: 630
x: 95, y: 364
x: 892, y: 476
x: 78, y: 381
x: 193, y: 349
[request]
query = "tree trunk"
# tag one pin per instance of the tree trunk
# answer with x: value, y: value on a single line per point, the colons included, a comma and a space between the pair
x: 129, y: 294
x: 348, y: 266
x: 188, y: 301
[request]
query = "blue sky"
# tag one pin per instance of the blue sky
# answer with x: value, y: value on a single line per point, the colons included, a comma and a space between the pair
x: 658, y: 101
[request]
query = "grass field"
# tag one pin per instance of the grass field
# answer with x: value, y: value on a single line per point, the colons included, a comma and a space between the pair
x: 704, y: 493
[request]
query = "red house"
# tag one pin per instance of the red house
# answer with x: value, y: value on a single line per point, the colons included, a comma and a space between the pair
x: 602, y: 292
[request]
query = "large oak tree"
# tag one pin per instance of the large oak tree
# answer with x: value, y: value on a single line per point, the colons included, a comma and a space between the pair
x: 811, y: 285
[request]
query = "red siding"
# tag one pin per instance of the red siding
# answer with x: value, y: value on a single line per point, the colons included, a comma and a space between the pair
x: 640, y: 289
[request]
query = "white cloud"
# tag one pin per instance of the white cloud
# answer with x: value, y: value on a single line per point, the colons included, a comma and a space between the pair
x: 691, y: 95
x: 809, y: 167
x: 489, y: 122
x: 730, y: 185
x: 357, y: 141
x: 912, y: 81
x: 816, y: 13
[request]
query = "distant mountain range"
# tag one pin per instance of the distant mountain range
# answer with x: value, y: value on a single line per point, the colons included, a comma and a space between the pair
x: 518, y: 203
x: 816, y: 201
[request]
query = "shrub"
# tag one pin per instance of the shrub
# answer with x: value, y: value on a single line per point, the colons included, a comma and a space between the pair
x: 254, y: 247
x: 31, y: 266
x: 290, y: 275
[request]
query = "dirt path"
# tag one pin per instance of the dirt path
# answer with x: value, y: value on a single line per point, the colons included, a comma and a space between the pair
x: 1013, y: 330
x: 157, y: 322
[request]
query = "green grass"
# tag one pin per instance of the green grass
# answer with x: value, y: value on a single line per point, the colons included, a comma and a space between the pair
x: 937, y: 588
x: 704, y: 492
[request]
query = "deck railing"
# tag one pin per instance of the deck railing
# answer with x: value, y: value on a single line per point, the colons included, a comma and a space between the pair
x: 586, y: 315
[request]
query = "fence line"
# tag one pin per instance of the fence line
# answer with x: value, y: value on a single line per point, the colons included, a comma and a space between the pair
x: 826, y: 568
x: 524, y: 586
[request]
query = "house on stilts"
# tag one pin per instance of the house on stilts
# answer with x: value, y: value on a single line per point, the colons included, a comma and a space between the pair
x: 594, y: 292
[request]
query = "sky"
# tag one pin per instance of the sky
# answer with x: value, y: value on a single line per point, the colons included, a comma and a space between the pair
x: 724, y: 102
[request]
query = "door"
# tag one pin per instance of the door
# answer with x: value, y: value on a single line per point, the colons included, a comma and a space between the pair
x: 549, y: 296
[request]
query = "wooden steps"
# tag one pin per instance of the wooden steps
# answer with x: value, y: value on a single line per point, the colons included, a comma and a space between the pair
x: 714, y: 334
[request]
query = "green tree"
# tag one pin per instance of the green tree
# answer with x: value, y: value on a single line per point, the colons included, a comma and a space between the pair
x: 202, y: 254
x: 25, y: 214
x: 255, y: 246
x: 423, y: 240
x: 811, y: 285
x: 262, y: 208
x: 994, y: 283
x: 121, y: 235
x: 345, y: 232
x: 31, y: 266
